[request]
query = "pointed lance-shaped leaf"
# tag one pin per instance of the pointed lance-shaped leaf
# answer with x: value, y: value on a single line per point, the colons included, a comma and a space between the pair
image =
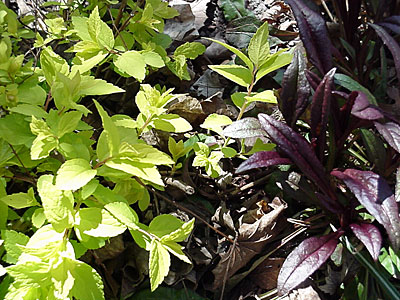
x: 262, y: 159
x: 295, y: 89
x: 313, y: 79
x: 370, y: 236
x: 244, y: 128
x: 392, y: 23
x: 374, y: 193
x: 305, y: 260
x: 320, y: 111
x: 392, y: 44
x: 391, y: 132
x: 294, y: 146
x: 363, y: 109
x: 314, y: 35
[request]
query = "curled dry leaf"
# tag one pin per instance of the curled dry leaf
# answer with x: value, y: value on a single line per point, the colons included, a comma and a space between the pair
x: 251, y: 240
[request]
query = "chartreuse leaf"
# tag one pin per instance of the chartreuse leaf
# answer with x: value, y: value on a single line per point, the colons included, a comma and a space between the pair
x: 170, y: 123
x: 215, y: 122
x: 93, y: 86
x: 153, y: 59
x: 15, y: 130
x: 274, y: 62
x: 87, y: 219
x: 99, y: 31
x: 177, y: 149
x: 124, y: 213
x: 133, y: 192
x: 45, y: 140
x: 179, y: 67
x: 258, y: 49
x: 238, y: 74
x: 52, y: 64
x: 239, y: 53
x: 179, y: 234
x: 159, y: 263
x: 132, y: 63
x: 57, y: 204
x: 102, y: 223
x: 20, y: 200
x: 144, y: 153
x: 68, y: 122
x: 111, y: 132
x: 12, y: 242
x: 190, y: 50
x: 265, y: 96
x: 74, y: 174
x: 38, y: 218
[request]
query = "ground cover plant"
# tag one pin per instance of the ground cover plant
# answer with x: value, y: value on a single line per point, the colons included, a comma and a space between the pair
x: 117, y: 184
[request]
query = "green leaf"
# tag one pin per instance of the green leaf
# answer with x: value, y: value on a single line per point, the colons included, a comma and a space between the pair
x: 176, y: 250
x: 88, y: 284
x: 15, y: 130
x: 132, y: 63
x: 215, y: 122
x: 89, y: 189
x: 29, y: 110
x: 258, y: 50
x: 159, y: 263
x: 97, y: 222
x: 92, y: 86
x: 20, y: 200
x: 134, y: 192
x: 111, y: 131
x: 124, y: 213
x: 58, y: 205
x: 239, y: 53
x: 352, y: 85
x: 12, y: 241
x: 179, y: 234
x: 153, y: 59
x: 74, y: 174
x: 52, y: 64
x: 164, y: 224
x: 171, y: 123
x: 80, y: 26
x: 45, y: 141
x: 179, y: 67
x: 238, y: 74
x: 68, y: 123
x: 229, y: 152
x: 190, y: 50
x: 38, y: 218
x: 31, y: 93
x: 144, y: 153
x: 99, y: 31
x: 274, y: 62
x: 3, y: 215
x: 267, y: 96
x: 259, y: 145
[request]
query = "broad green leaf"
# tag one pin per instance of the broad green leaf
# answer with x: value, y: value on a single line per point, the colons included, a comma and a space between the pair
x: 31, y: 93
x: 87, y: 219
x: 259, y: 145
x: 179, y: 67
x: 215, y: 122
x: 85, y: 65
x: 180, y: 234
x: 15, y: 130
x: 190, y: 50
x: 20, y: 200
x: 274, y: 62
x: 133, y: 192
x: 29, y: 273
x: 110, y: 129
x: 3, y: 215
x: 42, y: 146
x: 144, y: 153
x: 352, y: 85
x: 164, y: 224
x: 12, y: 241
x: 38, y: 218
x: 88, y: 284
x: 40, y: 127
x: 97, y: 222
x: 238, y: 74
x: 238, y: 99
x: 132, y: 63
x: 159, y: 262
x: 81, y: 28
x: 171, y: 123
x: 229, y: 152
x: 99, y: 31
x: 89, y: 189
x: 68, y: 122
x: 144, y: 171
x: 61, y: 277
x: 176, y: 250
x: 162, y: 10
x: 239, y: 53
x: 29, y: 110
x: 58, y: 205
x: 123, y: 213
x: 52, y: 64
x: 267, y: 96
x: 74, y: 174
x: 258, y: 50
x: 153, y: 59
x: 92, y: 86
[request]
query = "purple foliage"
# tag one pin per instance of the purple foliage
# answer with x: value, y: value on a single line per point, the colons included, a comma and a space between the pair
x: 363, y: 109
x: 370, y: 236
x: 262, y: 159
x: 391, y: 132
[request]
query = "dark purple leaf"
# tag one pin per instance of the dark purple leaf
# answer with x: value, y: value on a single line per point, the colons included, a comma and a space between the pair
x: 320, y: 111
x: 314, y: 35
x: 397, y: 188
x: 294, y: 146
x: 392, y: 23
x: 391, y: 132
x: 313, y: 79
x: 305, y: 260
x: 363, y: 109
x: 244, y: 128
x: 370, y: 236
x: 374, y: 193
x: 329, y: 203
x: 391, y: 44
x: 262, y: 159
x: 295, y: 89
x: 349, y: 14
